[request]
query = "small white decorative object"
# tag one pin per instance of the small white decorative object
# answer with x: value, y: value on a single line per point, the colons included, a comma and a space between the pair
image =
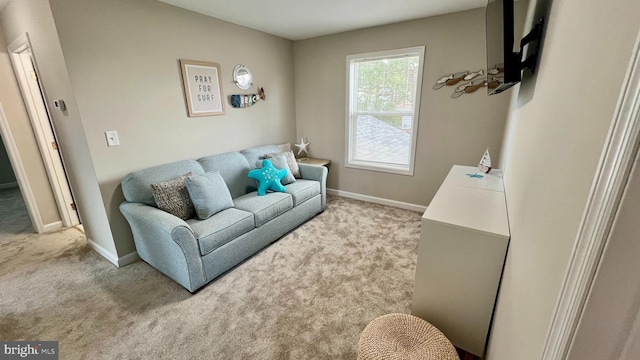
x: 302, y: 147
x: 473, y: 75
x: 485, y: 162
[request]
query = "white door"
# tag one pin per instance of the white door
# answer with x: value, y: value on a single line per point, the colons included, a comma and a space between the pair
x: 25, y: 69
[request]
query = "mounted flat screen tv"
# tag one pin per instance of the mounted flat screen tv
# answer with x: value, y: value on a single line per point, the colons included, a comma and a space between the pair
x: 504, y: 54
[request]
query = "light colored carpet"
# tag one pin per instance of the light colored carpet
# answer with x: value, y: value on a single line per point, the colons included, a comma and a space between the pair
x: 307, y: 296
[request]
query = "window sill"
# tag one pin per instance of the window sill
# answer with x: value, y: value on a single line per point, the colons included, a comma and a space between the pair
x: 390, y: 169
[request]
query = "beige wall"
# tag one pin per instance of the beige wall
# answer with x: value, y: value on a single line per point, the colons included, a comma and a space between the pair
x: 122, y: 58
x: 23, y: 135
x: 450, y: 131
x: 34, y: 17
x: 553, y: 146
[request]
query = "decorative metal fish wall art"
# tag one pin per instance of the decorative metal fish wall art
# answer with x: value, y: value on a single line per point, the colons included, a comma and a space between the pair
x: 472, y: 81
x: 473, y: 75
x: 469, y: 87
x: 450, y: 80
x: 498, y: 69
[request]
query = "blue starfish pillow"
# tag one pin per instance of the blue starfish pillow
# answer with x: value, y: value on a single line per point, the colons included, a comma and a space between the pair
x: 268, y: 177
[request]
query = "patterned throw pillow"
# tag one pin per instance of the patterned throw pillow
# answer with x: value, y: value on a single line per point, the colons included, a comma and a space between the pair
x: 291, y: 161
x: 173, y: 197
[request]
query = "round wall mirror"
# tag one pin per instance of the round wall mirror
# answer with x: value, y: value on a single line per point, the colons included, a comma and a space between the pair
x: 242, y: 77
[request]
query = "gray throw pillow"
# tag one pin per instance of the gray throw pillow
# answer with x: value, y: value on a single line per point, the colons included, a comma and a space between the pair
x: 279, y: 162
x: 291, y: 161
x: 172, y: 196
x: 209, y: 194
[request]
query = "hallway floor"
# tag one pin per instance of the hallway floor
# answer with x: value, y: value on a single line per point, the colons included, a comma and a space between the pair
x: 14, y: 218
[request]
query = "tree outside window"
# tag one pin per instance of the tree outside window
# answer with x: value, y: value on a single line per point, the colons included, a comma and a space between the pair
x: 384, y: 95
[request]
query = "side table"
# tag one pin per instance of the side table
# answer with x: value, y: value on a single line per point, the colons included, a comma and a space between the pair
x: 314, y: 161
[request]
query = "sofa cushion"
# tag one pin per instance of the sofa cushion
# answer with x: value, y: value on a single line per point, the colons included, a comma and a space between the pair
x: 233, y: 168
x: 221, y: 228
x: 280, y: 162
x: 209, y: 194
x: 291, y: 161
x: 257, y: 153
x: 264, y: 208
x: 172, y: 196
x: 136, y: 186
x: 303, y: 190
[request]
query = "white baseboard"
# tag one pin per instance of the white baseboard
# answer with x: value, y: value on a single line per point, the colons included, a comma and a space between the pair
x: 8, y: 185
x: 377, y: 200
x: 114, y: 259
x: 56, y: 225
x: 130, y: 258
x: 104, y: 252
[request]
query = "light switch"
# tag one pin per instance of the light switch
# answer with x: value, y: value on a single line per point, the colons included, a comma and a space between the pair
x: 112, y: 138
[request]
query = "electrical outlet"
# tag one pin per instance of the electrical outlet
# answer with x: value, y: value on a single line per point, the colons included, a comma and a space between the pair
x: 112, y: 138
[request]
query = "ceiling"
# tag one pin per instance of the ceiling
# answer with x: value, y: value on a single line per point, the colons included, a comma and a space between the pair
x: 303, y: 19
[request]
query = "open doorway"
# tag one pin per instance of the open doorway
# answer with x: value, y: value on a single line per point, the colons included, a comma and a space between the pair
x: 25, y: 69
x: 14, y: 217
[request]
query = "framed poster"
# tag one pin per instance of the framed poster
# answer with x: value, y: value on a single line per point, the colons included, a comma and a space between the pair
x: 201, y: 81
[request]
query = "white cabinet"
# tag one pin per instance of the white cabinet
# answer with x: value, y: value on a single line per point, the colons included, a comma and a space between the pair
x: 463, y: 244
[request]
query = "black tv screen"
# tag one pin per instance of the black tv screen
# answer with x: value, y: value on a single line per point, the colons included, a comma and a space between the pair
x: 503, y: 62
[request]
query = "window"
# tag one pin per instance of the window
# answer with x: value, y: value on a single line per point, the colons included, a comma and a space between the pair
x: 382, y: 115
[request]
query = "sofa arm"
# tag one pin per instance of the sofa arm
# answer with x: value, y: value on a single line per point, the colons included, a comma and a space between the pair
x: 317, y: 173
x: 166, y: 242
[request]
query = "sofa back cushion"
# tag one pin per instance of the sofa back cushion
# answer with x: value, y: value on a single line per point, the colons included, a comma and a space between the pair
x: 136, y: 186
x: 256, y: 155
x: 233, y: 168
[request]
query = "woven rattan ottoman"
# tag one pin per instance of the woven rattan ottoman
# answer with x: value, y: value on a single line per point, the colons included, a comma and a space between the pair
x: 404, y: 337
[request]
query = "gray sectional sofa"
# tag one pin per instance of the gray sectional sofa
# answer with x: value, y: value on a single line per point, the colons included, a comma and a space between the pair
x: 193, y: 252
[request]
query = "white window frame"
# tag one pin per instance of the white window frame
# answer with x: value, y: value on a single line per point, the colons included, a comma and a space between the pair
x: 351, y: 132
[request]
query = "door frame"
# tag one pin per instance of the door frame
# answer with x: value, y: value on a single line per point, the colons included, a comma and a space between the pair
x: 611, y: 177
x: 23, y: 61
